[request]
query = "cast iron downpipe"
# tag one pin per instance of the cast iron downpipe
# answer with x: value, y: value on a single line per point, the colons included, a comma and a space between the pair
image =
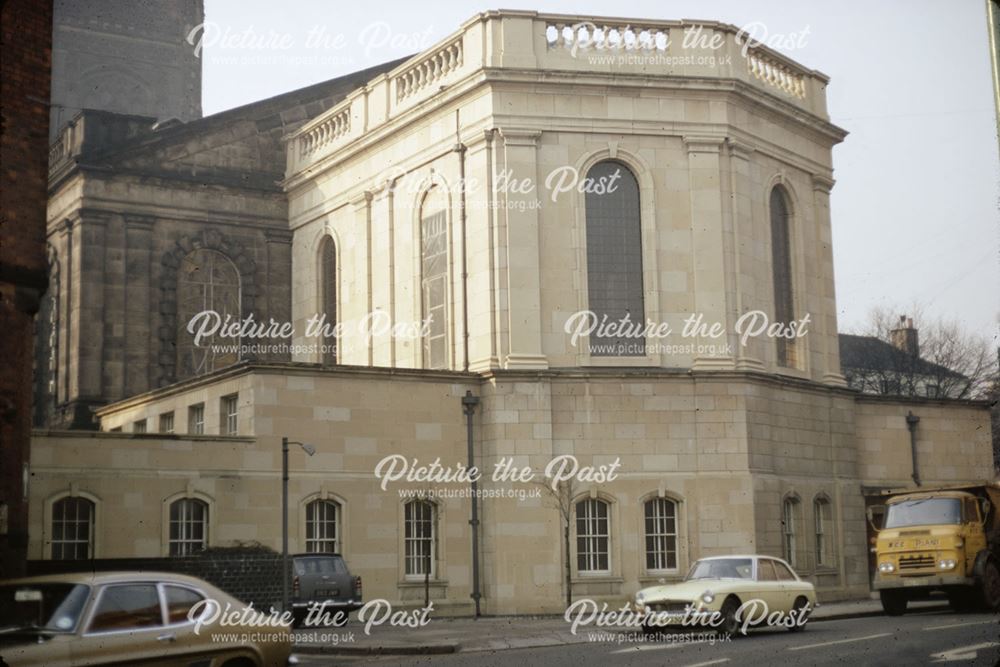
x: 911, y: 423
x: 469, y: 403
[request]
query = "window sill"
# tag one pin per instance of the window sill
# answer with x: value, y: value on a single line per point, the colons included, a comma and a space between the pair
x: 668, y: 577
x: 597, y: 579
x: 419, y: 583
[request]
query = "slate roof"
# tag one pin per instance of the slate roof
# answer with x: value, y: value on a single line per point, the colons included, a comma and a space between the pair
x: 873, y: 354
x: 240, y: 146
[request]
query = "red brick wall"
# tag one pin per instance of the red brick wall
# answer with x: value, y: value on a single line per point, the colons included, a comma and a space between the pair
x: 24, y: 93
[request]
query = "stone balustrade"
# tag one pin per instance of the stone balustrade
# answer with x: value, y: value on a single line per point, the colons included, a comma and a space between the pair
x: 571, y: 46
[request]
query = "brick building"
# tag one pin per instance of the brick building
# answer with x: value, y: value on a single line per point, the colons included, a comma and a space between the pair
x: 26, y: 57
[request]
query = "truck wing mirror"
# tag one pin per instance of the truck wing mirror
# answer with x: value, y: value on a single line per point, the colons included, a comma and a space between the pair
x: 870, y: 513
x: 984, y: 509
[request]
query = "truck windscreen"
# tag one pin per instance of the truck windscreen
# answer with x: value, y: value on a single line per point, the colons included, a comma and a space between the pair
x: 924, y: 512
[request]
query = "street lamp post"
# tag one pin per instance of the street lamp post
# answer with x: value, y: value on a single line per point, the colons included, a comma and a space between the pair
x: 310, y: 450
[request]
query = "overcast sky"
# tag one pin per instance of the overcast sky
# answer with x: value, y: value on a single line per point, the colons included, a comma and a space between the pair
x: 915, y: 207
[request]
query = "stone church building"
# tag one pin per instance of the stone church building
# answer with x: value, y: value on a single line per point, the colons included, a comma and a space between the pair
x: 451, y: 216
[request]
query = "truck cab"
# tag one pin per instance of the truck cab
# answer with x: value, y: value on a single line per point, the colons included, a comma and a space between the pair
x: 938, y: 540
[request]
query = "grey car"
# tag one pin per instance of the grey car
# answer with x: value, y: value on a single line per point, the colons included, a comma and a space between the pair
x: 322, y: 581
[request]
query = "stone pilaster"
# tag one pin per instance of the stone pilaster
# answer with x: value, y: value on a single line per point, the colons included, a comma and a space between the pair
x: 749, y: 356
x: 382, y: 272
x: 277, y: 296
x: 826, y: 327
x: 708, y: 245
x: 137, y: 331
x: 362, y: 209
x: 480, y: 247
x: 520, y: 247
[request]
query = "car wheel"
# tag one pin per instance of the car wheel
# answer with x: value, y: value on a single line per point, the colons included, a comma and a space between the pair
x: 800, y: 617
x: 730, y: 626
x: 989, y: 585
x: 650, y: 630
x: 893, y: 602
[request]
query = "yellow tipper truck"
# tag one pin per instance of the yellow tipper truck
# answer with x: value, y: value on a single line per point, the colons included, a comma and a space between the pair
x: 945, y: 539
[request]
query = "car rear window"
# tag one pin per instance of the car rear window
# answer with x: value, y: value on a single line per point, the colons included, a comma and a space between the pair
x: 179, y: 603
x: 320, y: 565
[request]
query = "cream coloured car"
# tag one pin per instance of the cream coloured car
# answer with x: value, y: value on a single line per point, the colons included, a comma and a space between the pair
x: 729, y: 594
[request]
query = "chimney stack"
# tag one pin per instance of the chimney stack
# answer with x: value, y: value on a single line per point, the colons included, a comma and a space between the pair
x: 904, y: 337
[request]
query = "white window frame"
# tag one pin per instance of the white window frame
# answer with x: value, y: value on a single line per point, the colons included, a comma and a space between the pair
x: 413, y: 559
x: 593, y: 537
x: 167, y: 422
x: 187, y: 545
x: 62, y: 542
x: 229, y: 409
x: 314, y: 543
x: 661, y: 554
x: 196, y: 419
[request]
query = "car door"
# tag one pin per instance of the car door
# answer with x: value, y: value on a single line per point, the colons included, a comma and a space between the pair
x: 124, y: 627
x: 185, y: 646
x: 788, y: 583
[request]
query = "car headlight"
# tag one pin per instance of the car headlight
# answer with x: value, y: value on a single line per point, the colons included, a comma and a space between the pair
x: 640, y: 598
x: 946, y: 564
x: 886, y: 568
x: 708, y: 597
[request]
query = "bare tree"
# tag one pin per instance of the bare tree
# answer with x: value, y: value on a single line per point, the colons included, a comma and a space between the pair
x: 949, y: 359
x: 561, y: 497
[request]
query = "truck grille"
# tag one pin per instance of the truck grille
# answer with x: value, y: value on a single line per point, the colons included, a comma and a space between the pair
x: 908, y: 563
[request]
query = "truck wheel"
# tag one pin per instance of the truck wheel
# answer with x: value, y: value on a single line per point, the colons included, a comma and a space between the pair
x: 989, y: 585
x: 962, y: 601
x: 893, y: 602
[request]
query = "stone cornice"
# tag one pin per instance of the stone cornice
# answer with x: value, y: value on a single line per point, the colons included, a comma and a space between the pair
x: 703, y: 143
x: 821, y: 183
x: 139, y: 221
x: 516, y: 136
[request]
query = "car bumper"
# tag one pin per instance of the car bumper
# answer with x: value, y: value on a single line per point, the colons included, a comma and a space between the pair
x: 931, y: 581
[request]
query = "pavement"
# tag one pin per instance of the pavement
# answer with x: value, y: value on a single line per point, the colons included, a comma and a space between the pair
x: 498, y: 633
x: 925, y: 637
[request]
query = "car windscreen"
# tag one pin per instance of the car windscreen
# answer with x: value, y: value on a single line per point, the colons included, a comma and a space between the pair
x: 722, y: 568
x: 54, y: 607
x: 924, y: 512
x: 320, y: 565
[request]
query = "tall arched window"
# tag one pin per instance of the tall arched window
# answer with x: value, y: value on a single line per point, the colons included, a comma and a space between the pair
x: 781, y: 260
x: 790, y: 512
x: 434, y: 276
x: 72, y: 529
x: 328, y: 298
x: 323, y: 526
x: 614, y: 256
x: 188, y: 526
x: 593, y: 536
x: 207, y: 281
x: 823, y: 518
